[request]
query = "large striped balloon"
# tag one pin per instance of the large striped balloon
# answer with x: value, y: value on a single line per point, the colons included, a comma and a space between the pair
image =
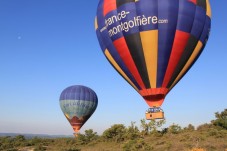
x: 78, y: 103
x: 153, y: 43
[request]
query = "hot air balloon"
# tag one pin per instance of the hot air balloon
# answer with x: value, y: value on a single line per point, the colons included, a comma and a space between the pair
x: 153, y: 43
x: 78, y: 103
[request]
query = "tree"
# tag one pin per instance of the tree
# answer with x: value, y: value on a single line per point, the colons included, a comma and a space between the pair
x: 132, y: 131
x: 221, y: 119
x: 81, y: 139
x: 144, y: 126
x: 151, y: 126
x: 90, y: 135
x: 87, y: 137
x: 116, y: 132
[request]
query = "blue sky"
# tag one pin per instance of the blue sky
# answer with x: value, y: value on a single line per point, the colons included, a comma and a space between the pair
x: 48, y: 45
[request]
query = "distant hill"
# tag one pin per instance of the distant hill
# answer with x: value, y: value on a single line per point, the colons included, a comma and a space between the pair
x: 29, y: 136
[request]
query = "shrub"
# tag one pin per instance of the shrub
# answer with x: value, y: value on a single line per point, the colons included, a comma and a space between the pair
x: 174, y: 129
x: 189, y: 128
x: 12, y: 149
x: 198, y: 149
x: 134, y: 145
x: 115, y: 133
x: 164, y: 131
x: 71, y: 149
x: 35, y: 141
x: 39, y: 148
x: 204, y: 127
x: 19, y: 140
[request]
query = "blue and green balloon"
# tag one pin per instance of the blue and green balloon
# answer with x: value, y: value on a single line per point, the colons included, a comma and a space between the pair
x: 78, y: 103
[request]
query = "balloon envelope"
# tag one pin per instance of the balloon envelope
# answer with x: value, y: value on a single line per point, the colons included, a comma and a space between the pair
x: 153, y: 43
x: 78, y: 103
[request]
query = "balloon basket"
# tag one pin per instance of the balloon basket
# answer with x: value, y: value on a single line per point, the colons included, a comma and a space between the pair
x: 154, y: 113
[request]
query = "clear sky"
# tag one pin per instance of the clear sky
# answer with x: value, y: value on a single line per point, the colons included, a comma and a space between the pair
x: 48, y: 45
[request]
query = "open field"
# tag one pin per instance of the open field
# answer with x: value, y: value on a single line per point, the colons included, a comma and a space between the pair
x: 196, y: 140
